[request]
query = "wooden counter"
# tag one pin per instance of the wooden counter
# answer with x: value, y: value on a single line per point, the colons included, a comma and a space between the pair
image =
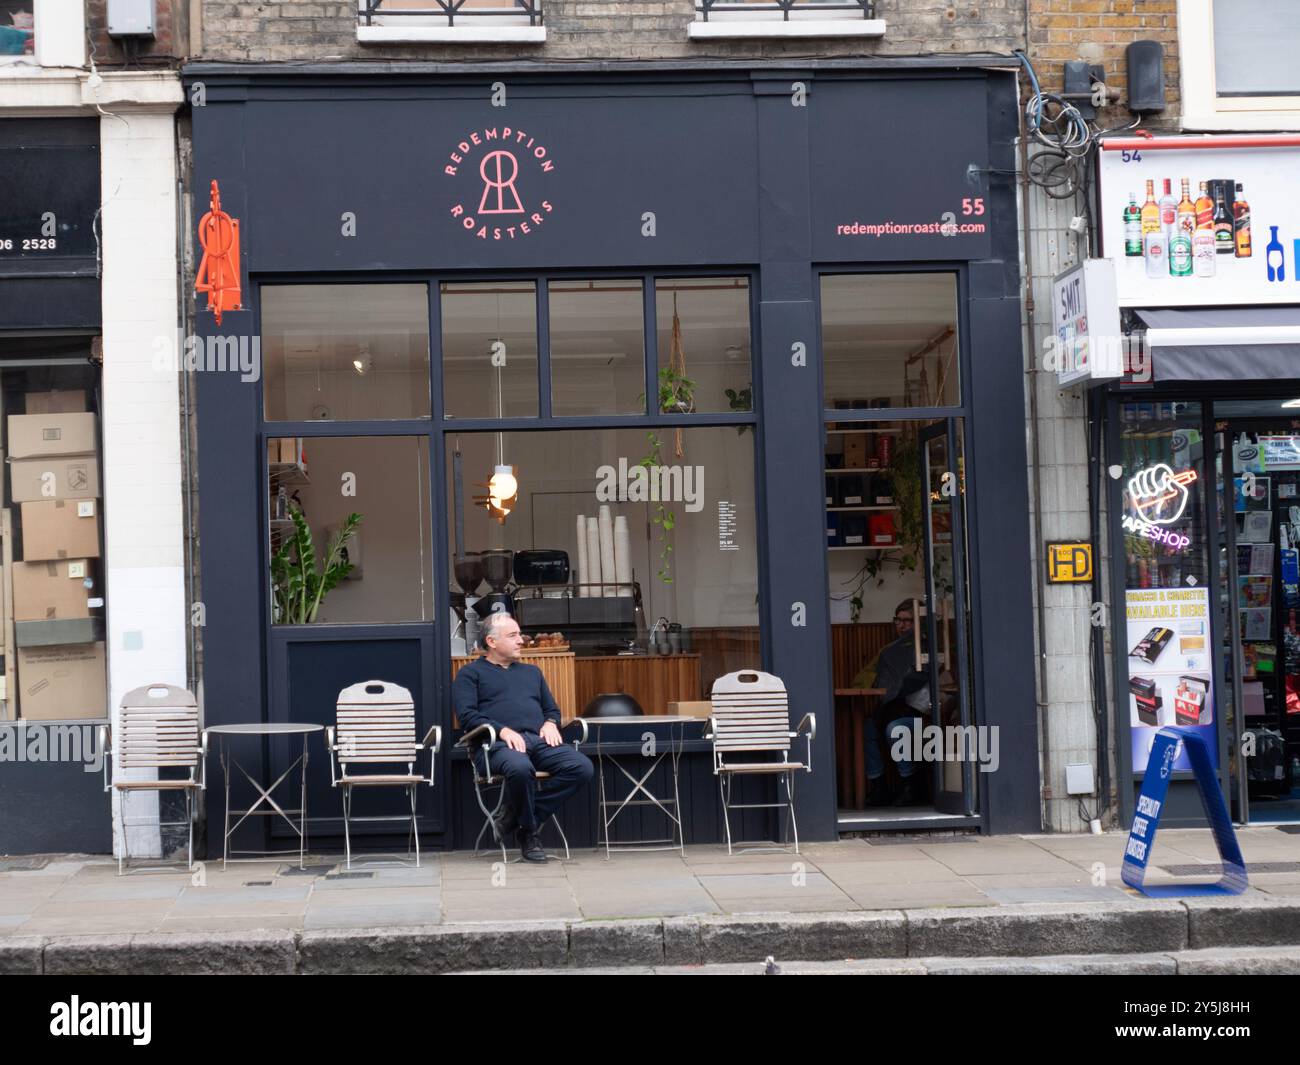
x: 652, y: 680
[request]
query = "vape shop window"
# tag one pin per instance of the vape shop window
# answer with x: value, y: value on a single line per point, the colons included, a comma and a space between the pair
x: 638, y: 584
x: 704, y: 352
x: 350, y: 529
x: 1167, y: 595
x: 890, y: 340
x: 597, y: 339
x: 51, y: 530
x: 344, y: 351
x: 489, y: 349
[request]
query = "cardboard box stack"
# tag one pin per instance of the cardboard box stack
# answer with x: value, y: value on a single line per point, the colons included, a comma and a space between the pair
x: 57, y: 596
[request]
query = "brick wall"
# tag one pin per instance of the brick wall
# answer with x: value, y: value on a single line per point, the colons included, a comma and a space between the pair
x: 1099, y: 31
x: 170, y: 41
x: 600, y: 29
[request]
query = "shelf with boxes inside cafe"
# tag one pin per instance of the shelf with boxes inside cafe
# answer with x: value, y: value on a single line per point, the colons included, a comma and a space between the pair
x: 51, y: 534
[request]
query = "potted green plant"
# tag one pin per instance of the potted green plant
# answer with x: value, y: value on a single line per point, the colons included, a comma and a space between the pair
x: 298, y: 590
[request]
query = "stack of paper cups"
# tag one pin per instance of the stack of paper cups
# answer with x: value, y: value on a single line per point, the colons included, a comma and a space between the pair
x: 606, y: 525
x: 593, y: 556
x: 622, y: 556
x: 583, y: 592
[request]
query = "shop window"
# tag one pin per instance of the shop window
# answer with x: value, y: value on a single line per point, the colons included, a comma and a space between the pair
x: 653, y: 598
x: 349, y: 529
x: 51, y: 530
x: 489, y: 349
x: 597, y: 340
x: 345, y: 352
x: 890, y: 340
x: 1236, y: 63
x: 703, y: 338
x: 1167, y: 629
x: 17, y: 32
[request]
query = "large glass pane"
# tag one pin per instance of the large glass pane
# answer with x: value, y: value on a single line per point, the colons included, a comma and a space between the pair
x: 597, y: 347
x: 655, y: 593
x: 890, y: 340
x: 53, y: 624
x: 709, y: 317
x: 489, y: 349
x: 1255, y: 43
x: 345, y: 352
x: 350, y: 529
x: 1167, y: 596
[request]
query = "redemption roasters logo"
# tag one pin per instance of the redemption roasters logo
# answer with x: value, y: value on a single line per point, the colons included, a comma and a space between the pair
x: 498, y: 171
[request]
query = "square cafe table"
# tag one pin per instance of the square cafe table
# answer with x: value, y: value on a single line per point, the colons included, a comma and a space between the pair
x: 610, y: 808
x: 264, y: 728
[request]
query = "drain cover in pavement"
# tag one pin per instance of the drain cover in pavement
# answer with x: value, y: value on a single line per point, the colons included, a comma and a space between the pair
x: 257, y: 883
x: 350, y: 876
x: 14, y: 865
x: 1214, y: 867
x: 894, y: 838
x: 309, y: 870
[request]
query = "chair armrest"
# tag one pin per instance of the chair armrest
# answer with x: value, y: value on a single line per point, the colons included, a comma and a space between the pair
x: 333, y: 750
x: 811, y: 721
x: 105, y: 738
x: 708, y: 728
x: 466, y: 740
x: 203, y: 760
x: 434, y: 734
x: 582, y: 725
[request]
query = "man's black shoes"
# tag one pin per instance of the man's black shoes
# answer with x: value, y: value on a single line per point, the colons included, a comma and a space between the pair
x: 506, y: 820
x: 530, y: 846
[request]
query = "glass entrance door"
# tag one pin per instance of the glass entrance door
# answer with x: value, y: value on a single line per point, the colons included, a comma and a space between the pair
x: 942, y: 637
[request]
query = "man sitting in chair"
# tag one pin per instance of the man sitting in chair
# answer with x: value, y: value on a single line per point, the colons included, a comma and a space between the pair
x: 511, y: 696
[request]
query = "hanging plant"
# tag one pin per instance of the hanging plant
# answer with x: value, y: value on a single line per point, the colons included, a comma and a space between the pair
x: 676, y: 396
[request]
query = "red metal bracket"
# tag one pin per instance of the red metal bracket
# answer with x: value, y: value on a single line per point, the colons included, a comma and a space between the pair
x: 218, y: 274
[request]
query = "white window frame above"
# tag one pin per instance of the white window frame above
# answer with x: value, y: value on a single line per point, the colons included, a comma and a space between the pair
x: 1203, y: 107
x: 808, y: 22
x: 59, y: 27
x: 473, y: 26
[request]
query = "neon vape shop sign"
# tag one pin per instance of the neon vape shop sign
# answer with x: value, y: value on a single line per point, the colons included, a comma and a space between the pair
x: 1159, y: 498
x: 498, y: 173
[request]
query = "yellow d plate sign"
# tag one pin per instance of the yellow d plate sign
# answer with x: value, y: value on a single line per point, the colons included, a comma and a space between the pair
x: 1069, y: 563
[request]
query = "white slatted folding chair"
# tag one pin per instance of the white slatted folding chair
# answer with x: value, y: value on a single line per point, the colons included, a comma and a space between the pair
x: 158, y: 730
x: 751, y: 724
x: 376, y: 727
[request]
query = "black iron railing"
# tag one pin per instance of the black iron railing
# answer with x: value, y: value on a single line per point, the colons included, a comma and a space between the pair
x: 465, y: 10
x: 866, y: 7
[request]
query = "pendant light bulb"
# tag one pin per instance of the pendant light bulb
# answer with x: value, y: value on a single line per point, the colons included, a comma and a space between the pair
x: 503, y: 487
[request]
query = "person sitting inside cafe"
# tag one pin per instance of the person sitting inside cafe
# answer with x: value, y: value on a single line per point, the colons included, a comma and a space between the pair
x: 510, y: 695
x: 906, y: 697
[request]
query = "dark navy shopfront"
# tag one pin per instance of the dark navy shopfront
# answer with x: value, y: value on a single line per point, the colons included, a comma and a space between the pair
x: 776, y: 288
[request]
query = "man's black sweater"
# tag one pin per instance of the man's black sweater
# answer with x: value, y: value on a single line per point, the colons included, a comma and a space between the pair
x: 505, y: 697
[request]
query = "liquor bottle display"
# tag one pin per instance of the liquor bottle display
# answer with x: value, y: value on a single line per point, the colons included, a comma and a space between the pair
x: 1150, y: 212
x: 1224, y: 242
x: 1132, y: 228
x: 1241, y: 224
x: 1203, y: 250
x: 1168, y: 212
x: 1180, y: 247
x: 1204, y: 209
